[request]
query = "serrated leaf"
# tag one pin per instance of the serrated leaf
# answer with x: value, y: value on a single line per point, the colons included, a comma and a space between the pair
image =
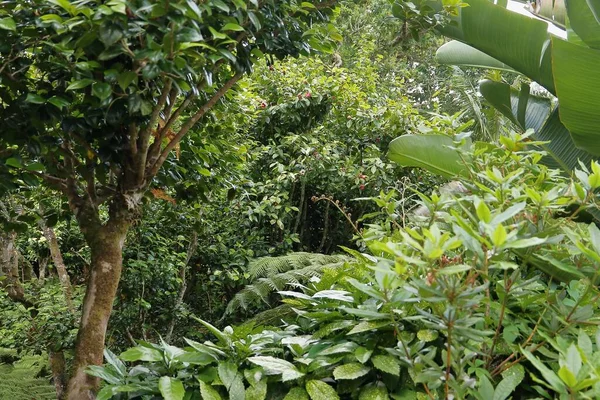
x: 374, y: 393
x: 363, y: 354
x: 276, y: 366
x: 257, y: 392
x: 319, y: 390
x: 171, y: 388
x: 365, y: 326
x: 350, y: 371
x: 296, y: 393
x: 386, y: 364
x: 208, y: 392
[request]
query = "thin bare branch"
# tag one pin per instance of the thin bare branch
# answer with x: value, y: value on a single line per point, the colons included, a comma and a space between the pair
x: 191, y: 122
x: 146, y: 132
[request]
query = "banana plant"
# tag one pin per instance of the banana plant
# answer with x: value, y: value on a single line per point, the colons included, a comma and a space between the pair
x: 490, y: 36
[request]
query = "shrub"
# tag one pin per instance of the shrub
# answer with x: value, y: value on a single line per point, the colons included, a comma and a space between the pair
x: 465, y: 301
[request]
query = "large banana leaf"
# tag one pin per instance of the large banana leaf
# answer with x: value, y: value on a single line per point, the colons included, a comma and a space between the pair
x: 437, y: 154
x: 535, y: 112
x: 458, y: 53
x: 569, y: 70
x: 577, y: 78
x: 521, y: 42
x: 583, y: 22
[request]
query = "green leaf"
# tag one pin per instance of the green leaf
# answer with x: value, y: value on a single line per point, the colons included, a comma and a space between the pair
x: 362, y: 354
x: 232, y: 379
x: 113, y: 360
x: 583, y: 22
x: 14, y: 162
x: 573, y: 359
x: 103, y: 373
x: 220, y: 5
x: 36, y: 166
x: 319, y: 390
x: 499, y: 33
x: 106, y: 393
x: 80, y: 84
x: 523, y: 243
x: 350, y: 371
x: 386, y: 364
x: 8, y: 24
x: 507, y: 386
x: 171, y: 388
x: 276, y: 366
x: 255, y: 20
x: 232, y: 27
x: 141, y: 353
x: 216, y: 34
x: 458, y: 53
x: 296, y: 393
x: 258, y: 391
x: 454, y: 269
x: 35, y: 98
x: 223, y: 338
x: 434, y: 153
x: 546, y: 372
x: 110, y: 34
x: 125, y: 78
x: 59, y: 102
x: 374, y: 393
x: 208, y: 392
x: 579, y: 95
x: 101, y: 90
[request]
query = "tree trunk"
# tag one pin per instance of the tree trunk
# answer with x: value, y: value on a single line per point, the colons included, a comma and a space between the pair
x: 106, y: 245
x: 9, y: 267
x: 59, y: 263
x: 43, y: 265
x: 57, y: 365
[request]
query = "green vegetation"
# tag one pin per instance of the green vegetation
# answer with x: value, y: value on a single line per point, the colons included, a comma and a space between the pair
x: 28, y: 378
x: 298, y: 200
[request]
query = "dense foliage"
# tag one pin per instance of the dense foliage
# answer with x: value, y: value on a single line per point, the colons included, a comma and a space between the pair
x: 326, y: 227
x: 452, y: 305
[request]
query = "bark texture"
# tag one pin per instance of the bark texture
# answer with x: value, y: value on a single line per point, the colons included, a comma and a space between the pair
x: 59, y: 263
x: 106, y: 246
x: 59, y: 372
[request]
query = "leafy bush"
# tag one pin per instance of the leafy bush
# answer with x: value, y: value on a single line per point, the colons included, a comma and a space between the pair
x: 465, y: 301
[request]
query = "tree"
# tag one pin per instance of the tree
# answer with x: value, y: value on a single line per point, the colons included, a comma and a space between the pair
x: 95, y: 96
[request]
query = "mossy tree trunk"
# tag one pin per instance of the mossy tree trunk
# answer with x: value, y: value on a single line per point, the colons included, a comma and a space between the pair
x: 59, y: 372
x: 106, y: 245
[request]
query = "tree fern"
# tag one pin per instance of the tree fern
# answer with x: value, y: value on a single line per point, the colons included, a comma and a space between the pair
x: 272, y: 274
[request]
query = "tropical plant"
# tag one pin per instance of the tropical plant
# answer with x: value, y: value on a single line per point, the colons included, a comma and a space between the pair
x: 490, y: 36
x: 450, y: 306
x: 269, y: 275
x: 95, y: 98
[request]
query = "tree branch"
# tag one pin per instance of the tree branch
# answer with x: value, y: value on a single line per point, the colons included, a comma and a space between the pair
x: 191, y: 122
x: 146, y: 133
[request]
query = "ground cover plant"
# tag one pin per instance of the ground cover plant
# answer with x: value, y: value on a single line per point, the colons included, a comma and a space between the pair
x: 492, y: 294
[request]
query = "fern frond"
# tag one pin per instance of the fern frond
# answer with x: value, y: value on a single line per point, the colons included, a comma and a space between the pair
x: 269, y: 266
x: 272, y: 274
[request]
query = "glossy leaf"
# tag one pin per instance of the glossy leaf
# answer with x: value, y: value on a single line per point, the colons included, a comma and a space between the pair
x: 434, y: 153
